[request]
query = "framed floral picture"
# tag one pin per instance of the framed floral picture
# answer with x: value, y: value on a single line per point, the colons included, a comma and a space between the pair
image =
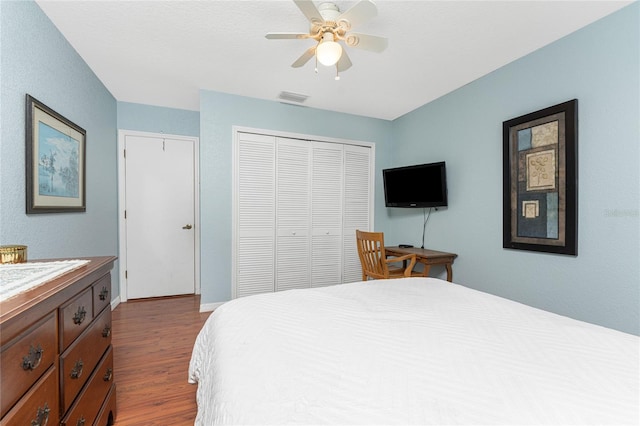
x: 540, y: 180
x: 55, y: 161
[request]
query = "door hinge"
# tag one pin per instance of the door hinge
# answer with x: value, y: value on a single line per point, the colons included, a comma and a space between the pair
x: 125, y: 214
x: 125, y: 153
x: 126, y: 274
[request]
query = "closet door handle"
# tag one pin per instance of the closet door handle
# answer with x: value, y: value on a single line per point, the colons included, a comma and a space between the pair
x: 187, y: 226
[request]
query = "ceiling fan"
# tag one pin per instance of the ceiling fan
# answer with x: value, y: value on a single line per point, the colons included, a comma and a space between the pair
x: 329, y: 27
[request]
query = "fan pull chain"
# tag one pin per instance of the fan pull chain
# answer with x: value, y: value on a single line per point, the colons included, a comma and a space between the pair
x: 337, y: 77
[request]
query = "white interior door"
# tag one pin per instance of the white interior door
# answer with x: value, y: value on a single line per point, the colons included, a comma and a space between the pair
x: 327, y: 212
x: 358, y: 206
x: 160, y: 216
x: 292, y: 214
x: 254, y: 204
x: 296, y: 205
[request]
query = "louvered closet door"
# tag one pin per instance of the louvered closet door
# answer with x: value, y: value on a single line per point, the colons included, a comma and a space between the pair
x: 255, y: 216
x: 326, y: 214
x: 292, y: 214
x: 358, y: 206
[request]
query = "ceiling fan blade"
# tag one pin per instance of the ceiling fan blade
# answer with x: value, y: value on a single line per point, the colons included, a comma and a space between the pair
x: 276, y: 36
x: 344, y: 63
x: 366, y: 42
x: 308, y: 54
x: 359, y: 13
x: 310, y: 11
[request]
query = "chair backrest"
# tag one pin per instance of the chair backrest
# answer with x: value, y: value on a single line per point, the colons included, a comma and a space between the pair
x: 371, y: 253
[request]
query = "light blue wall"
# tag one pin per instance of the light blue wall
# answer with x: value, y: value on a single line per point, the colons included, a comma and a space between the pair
x: 598, y: 65
x: 218, y: 113
x: 36, y: 59
x: 154, y: 119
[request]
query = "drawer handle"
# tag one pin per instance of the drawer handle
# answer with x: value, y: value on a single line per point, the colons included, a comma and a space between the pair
x: 108, y: 375
x: 104, y: 293
x: 81, y: 421
x: 76, y: 371
x: 32, y: 361
x: 80, y: 315
x: 106, y: 331
x: 42, y: 417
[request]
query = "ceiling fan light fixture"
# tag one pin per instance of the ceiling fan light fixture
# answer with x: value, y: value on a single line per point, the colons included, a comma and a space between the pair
x: 330, y: 29
x: 328, y: 51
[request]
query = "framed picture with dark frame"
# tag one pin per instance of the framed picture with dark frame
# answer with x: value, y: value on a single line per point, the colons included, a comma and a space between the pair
x: 55, y: 161
x: 540, y: 180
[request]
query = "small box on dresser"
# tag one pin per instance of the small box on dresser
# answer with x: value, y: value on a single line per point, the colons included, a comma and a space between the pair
x: 56, y: 355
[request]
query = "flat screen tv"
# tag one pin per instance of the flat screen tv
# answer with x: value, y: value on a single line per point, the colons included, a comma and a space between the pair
x: 422, y: 185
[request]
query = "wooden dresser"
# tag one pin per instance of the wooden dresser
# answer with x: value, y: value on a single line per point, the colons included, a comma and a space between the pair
x: 56, y: 359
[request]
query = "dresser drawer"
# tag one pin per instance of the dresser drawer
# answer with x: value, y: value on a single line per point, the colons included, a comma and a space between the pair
x: 86, y: 408
x: 79, y: 360
x: 107, y: 414
x: 102, y: 293
x: 39, y: 406
x: 25, y: 359
x: 75, y: 316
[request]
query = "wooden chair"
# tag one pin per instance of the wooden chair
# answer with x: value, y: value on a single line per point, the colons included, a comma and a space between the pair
x: 374, y: 261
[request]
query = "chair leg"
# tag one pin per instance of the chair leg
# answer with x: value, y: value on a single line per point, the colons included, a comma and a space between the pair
x: 425, y: 271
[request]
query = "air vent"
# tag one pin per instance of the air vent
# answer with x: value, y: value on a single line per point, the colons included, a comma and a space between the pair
x: 292, y: 97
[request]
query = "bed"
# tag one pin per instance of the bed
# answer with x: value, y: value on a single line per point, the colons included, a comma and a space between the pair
x: 408, y: 351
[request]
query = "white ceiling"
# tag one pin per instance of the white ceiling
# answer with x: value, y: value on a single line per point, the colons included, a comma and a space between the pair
x: 162, y: 52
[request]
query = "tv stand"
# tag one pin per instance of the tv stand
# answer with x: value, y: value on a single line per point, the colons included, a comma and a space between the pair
x: 426, y: 257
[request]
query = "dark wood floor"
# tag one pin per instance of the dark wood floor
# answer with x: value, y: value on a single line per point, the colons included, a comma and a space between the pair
x: 152, y: 341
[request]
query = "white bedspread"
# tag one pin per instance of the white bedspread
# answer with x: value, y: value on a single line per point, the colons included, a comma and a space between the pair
x: 410, y: 351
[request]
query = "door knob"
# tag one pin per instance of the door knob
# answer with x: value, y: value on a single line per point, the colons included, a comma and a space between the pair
x: 187, y: 226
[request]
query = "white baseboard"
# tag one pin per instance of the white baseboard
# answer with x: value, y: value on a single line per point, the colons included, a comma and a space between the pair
x: 208, y: 307
x: 115, y: 302
x: 204, y: 307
